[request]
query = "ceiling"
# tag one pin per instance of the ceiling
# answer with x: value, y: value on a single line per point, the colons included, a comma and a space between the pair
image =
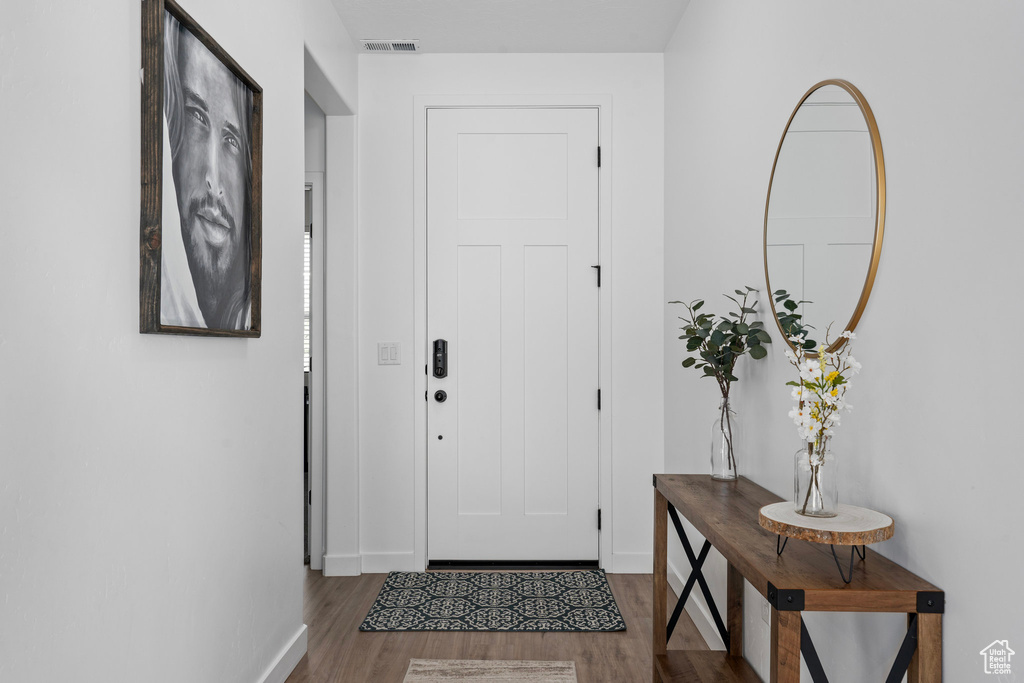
x: 516, y: 25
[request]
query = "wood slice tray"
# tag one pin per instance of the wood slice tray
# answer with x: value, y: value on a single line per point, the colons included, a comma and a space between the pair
x: 852, y: 526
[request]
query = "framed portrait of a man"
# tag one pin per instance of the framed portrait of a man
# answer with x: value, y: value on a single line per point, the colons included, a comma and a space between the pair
x: 200, y: 266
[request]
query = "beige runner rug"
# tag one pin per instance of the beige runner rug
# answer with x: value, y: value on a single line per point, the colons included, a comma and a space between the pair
x: 479, y: 671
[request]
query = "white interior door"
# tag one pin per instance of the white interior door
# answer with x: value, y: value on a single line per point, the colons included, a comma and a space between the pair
x: 512, y: 238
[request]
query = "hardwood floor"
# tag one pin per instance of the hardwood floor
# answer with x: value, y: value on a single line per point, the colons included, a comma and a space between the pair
x: 339, y: 652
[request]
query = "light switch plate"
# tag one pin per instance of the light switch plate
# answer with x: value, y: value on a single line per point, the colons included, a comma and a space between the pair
x: 389, y: 353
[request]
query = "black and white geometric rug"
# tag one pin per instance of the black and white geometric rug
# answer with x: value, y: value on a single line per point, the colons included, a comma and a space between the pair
x: 495, y: 601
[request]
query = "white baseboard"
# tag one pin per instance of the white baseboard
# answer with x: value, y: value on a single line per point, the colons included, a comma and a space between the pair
x: 343, y: 565
x: 631, y: 563
x: 381, y: 563
x: 697, y: 609
x: 287, y: 660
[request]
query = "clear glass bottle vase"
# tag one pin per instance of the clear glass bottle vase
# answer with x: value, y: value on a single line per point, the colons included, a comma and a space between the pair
x: 816, y: 480
x: 724, y: 437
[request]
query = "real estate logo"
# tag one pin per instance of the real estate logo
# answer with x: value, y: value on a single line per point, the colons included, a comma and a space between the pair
x: 997, y: 657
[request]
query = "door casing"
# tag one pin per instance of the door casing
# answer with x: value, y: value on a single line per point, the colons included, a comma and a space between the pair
x: 421, y: 355
x: 317, y: 378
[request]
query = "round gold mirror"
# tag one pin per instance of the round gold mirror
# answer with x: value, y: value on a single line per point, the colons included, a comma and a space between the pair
x: 825, y: 214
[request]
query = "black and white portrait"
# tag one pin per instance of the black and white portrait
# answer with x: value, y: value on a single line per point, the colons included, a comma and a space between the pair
x: 207, y: 187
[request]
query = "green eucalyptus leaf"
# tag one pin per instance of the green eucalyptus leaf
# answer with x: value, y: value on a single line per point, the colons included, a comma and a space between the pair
x: 758, y: 352
x: 790, y: 305
x: 742, y: 328
x: 689, y: 362
x: 698, y: 305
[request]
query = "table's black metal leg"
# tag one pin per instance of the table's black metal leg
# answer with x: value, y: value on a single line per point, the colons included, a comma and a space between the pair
x: 778, y: 548
x: 862, y: 551
x: 846, y: 579
x: 696, y: 572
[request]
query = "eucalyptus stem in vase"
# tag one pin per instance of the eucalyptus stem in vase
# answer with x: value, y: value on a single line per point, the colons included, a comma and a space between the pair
x: 820, y: 397
x: 718, y: 343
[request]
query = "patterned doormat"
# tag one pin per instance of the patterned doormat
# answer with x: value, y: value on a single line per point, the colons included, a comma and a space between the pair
x: 495, y: 601
x: 477, y: 671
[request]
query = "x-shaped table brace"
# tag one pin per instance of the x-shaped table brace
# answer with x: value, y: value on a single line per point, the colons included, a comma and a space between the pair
x: 899, y: 666
x: 696, y: 562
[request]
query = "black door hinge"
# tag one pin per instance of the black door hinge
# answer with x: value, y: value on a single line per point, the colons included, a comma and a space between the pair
x: 599, y: 156
x: 598, y: 274
x: 425, y: 396
x: 598, y: 519
x: 599, y: 399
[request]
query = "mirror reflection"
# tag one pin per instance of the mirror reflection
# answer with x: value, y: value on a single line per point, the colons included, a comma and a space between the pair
x: 823, y: 208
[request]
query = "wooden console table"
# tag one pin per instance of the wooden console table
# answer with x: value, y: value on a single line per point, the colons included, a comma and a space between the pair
x: 802, y: 579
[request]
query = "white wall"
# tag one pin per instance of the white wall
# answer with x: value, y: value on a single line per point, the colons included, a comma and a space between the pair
x: 332, y: 71
x: 932, y: 440
x: 330, y: 78
x: 388, y: 400
x: 315, y: 136
x: 149, y: 485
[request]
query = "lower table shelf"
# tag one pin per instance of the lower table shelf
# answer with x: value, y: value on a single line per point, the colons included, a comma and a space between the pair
x: 700, y: 666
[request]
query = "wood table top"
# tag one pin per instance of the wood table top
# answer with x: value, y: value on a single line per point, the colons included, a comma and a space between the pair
x: 726, y: 513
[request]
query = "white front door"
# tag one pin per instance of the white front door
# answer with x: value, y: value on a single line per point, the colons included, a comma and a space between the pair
x: 512, y: 238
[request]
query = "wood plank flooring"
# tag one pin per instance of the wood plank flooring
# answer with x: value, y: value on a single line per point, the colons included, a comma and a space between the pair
x: 339, y: 653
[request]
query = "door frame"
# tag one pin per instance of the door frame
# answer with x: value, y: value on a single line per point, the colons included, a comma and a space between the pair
x: 603, y: 105
x: 317, y: 375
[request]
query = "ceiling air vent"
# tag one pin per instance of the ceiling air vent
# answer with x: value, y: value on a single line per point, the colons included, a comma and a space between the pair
x: 391, y: 45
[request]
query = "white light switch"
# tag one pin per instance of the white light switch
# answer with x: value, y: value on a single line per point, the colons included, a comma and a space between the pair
x: 389, y: 353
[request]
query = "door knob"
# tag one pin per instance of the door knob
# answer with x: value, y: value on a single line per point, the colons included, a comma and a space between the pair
x: 440, y: 396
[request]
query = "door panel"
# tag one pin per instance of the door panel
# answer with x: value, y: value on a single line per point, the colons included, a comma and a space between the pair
x: 545, y: 375
x: 512, y: 233
x: 479, y: 420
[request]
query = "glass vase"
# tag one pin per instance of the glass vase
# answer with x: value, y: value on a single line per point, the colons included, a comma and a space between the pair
x: 724, y: 436
x: 816, y: 480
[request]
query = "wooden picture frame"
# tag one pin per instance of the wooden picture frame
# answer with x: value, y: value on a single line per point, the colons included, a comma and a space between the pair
x: 202, y: 172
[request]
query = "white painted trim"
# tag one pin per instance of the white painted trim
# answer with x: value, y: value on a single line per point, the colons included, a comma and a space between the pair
x: 318, y: 375
x: 342, y: 488
x: 631, y: 563
x: 343, y: 565
x: 380, y: 563
x: 289, y: 658
x: 421, y: 352
x: 697, y: 609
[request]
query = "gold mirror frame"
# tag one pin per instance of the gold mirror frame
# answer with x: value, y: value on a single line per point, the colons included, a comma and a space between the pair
x: 876, y: 248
